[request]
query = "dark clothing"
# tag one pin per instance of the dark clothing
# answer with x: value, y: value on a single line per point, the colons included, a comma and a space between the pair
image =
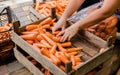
x: 88, y: 3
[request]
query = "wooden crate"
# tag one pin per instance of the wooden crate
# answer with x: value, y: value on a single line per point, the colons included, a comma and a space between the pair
x: 91, y: 55
x: 22, y: 59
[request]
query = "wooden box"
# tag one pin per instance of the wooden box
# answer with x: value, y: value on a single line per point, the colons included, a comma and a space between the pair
x: 91, y: 44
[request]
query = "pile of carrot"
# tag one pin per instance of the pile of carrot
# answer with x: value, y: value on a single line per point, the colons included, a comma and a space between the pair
x: 104, y: 28
x: 41, y: 68
x: 49, y: 44
x: 45, y: 8
x: 5, y: 35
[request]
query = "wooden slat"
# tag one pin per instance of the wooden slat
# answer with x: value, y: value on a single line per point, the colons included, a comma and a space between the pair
x: 35, y: 13
x: 22, y: 59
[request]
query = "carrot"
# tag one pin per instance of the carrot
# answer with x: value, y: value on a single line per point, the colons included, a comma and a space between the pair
x: 37, y: 5
x: 55, y: 59
x: 45, y: 43
x: 53, y: 49
x: 56, y: 38
x: 47, y: 26
x: 66, y: 44
x: 39, y: 37
x: 73, y: 60
x: 73, y: 49
x: 72, y: 53
x: 101, y: 50
x: 34, y: 62
x: 40, y: 30
x: 46, y: 21
x: 56, y: 32
x: 29, y: 57
x: 45, y: 52
x: 48, y: 73
x: 40, y: 45
x: 62, y: 67
x: 36, y: 48
x: 28, y: 32
x: 62, y: 57
x: 49, y: 35
x: 61, y: 48
x: 29, y: 41
x: 28, y: 36
x: 59, y: 7
x: 42, y: 69
x: 31, y: 27
x: 36, y: 41
x: 77, y: 59
x: 50, y: 41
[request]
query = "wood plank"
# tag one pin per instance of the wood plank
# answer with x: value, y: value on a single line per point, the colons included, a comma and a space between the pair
x: 32, y: 10
x: 80, y: 42
x: 22, y: 59
x: 37, y: 56
x: 94, y: 61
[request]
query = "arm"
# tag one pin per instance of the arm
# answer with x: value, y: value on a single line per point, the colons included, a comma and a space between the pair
x: 108, y: 9
x: 72, y: 6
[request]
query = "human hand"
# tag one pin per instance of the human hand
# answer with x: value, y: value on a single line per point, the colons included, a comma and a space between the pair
x: 68, y: 33
x: 60, y: 24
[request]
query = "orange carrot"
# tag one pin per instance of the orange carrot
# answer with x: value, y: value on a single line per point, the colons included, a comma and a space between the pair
x: 45, y: 52
x: 29, y: 41
x: 57, y: 38
x: 40, y: 45
x: 37, y: 5
x: 73, y: 60
x: 31, y: 27
x: 101, y: 50
x: 56, y: 32
x: 59, y: 7
x: 62, y: 57
x: 61, y: 48
x: 62, y: 67
x: 28, y: 32
x: 73, y: 49
x: 45, y: 43
x: 36, y: 48
x: 56, y: 61
x: 50, y: 41
x: 34, y: 62
x: 66, y: 44
x: 53, y: 49
x: 48, y: 73
x: 49, y: 35
x: 28, y: 36
x: 72, y: 53
x: 40, y: 30
x: 39, y: 37
x: 36, y: 41
x: 77, y: 59
x: 46, y: 21
x: 47, y: 26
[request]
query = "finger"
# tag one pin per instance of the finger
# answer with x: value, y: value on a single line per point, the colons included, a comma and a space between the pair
x: 62, y: 32
x: 64, y: 38
x: 63, y: 28
x: 69, y: 38
x: 55, y: 28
